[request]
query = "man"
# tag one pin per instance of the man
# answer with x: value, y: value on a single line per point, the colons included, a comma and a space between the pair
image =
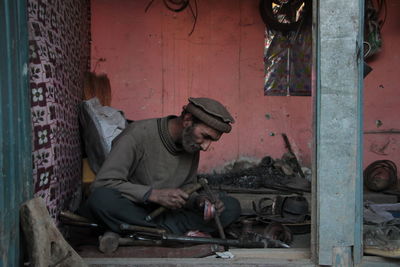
x: 149, y: 164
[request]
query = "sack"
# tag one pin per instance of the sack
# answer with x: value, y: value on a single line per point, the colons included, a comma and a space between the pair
x: 100, y: 125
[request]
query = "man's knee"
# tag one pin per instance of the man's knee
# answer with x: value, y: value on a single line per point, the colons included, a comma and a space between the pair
x: 102, y: 198
x: 232, y: 210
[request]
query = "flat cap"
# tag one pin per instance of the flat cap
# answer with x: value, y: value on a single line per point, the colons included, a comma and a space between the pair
x: 211, y: 112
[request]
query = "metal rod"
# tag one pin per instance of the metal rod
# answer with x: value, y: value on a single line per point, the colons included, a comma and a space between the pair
x: 218, y: 241
x: 289, y: 148
x: 213, y: 200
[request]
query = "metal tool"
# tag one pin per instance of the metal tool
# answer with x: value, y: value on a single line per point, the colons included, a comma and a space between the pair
x: 289, y: 148
x: 127, y: 228
x: 208, y: 240
x: 70, y: 218
x: 213, y: 200
x: 188, y: 190
x: 110, y: 241
x: 148, y: 236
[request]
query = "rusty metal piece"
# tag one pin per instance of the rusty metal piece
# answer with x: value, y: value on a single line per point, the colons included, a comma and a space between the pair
x: 209, y: 210
x: 380, y: 175
x: 188, y: 190
x: 278, y: 231
x: 289, y: 148
x: 247, y: 227
x: 213, y: 200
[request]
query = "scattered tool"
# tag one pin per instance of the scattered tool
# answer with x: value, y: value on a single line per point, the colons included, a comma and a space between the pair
x: 289, y: 148
x: 219, y: 241
x: 110, y: 241
x: 70, y: 218
x: 213, y: 200
x: 147, y: 236
x: 188, y: 190
x: 128, y: 228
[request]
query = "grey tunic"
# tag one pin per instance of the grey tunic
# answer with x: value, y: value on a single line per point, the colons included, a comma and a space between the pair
x: 143, y: 157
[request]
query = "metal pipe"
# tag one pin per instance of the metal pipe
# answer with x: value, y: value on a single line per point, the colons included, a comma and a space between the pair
x: 219, y: 241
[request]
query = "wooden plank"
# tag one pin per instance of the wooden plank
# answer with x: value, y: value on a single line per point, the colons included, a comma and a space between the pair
x: 294, y: 254
x: 208, y: 262
x: 45, y: 244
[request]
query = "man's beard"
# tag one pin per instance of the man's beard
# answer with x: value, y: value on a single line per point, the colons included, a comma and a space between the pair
x: 188, y: 142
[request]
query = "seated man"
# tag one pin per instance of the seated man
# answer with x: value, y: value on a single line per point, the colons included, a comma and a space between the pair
x: 149, y: 164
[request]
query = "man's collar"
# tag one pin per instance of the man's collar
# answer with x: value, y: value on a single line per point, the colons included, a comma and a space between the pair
x: 166, y: 137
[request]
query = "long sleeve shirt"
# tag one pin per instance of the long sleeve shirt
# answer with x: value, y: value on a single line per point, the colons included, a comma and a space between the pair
x: 144, y: 157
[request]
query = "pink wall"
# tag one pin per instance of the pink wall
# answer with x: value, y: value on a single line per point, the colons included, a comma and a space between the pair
x: 382, y: 94
x: 154, y: 66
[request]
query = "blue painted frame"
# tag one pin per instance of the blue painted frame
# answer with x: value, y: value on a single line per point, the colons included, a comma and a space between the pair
x: 15, y: 127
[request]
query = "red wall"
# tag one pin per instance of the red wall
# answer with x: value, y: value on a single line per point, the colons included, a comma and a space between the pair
x: 382, y: 93
x: 154, y: 66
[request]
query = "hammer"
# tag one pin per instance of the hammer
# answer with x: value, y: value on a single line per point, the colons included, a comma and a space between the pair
x: 188, y: 190
x: 110, y: 241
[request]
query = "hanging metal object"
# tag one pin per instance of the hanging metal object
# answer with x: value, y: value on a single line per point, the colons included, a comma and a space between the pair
x: 178, y: 6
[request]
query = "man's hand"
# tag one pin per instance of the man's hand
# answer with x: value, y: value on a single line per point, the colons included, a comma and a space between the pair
x: 219, y: 205
x: 169, y: 198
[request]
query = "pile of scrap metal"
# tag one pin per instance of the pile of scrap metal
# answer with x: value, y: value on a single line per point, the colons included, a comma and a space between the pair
x: 381, y: 231
x: 280, y: 217
x: 283, y: 209
x: 279, y: 174
x: 283, y: 174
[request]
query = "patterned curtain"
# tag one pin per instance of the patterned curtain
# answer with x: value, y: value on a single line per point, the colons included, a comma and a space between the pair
x: 59, y: 44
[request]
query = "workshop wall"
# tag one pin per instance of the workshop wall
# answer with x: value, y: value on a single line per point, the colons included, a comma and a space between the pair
x: 154, y: 66
x: 382, y: 94
x: 59, y: 44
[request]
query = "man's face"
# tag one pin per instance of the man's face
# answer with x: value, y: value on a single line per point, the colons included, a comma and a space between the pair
x: 198, y: 137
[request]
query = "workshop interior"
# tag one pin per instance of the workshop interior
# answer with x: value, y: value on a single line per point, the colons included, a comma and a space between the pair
x: 96, y: 66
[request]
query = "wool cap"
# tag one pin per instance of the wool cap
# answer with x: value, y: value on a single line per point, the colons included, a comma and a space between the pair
x: 211, y: 112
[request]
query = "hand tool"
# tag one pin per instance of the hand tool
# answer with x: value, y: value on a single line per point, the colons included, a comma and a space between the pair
x: 289, y: 148
x: 188, y: 190
x: 213, y: 200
